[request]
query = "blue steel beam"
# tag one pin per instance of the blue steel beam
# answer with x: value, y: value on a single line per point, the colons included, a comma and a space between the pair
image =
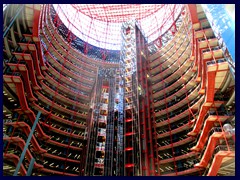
x: 13, y: 20
x: 30, y: 167
x: 27, y: 143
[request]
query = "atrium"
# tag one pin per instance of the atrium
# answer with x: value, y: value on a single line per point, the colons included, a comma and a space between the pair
x: 118, y: 90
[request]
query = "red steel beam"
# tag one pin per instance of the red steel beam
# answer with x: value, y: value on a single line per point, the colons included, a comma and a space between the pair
x: 193, y: 13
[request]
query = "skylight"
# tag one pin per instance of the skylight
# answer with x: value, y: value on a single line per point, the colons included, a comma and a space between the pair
x: 100, y: 24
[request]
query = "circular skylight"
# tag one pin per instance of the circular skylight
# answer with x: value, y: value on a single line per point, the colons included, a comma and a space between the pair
x: 100, y: 24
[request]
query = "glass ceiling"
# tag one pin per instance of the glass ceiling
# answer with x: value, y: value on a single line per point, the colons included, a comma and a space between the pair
x: 100, y: 24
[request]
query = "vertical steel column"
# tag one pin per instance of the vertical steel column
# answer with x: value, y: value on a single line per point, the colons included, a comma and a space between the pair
x: 30, y: 168
x: 27, y: 143
x: 13, y: 20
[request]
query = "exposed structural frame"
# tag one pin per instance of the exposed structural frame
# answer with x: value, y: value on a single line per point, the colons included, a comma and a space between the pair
x: 26, y: 147
x: 161, y: 109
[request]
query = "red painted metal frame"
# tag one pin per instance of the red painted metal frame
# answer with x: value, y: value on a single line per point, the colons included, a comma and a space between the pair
x: 217, y: 161
x: 83, y: 59
x: 212, y: 143
x: 14, y: 158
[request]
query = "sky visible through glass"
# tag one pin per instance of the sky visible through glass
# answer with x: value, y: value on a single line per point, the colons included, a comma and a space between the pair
x: 107, y: 34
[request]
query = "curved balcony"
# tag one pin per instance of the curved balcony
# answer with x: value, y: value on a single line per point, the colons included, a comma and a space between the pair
x: 209, y: 123
x: 64, y: 99
x: 47, y: 28
x: 175, y: 42
x: 188, y: 87
x: 58, y: 139
x: 181, y: 70
x: 62, y: 155
x: 181, y: 122
x: 26, y: 129
x: 174, y: 69
x: 166, y: 103
x: 178, y: 57
x: 210, y: 68
x: 68, y: 72
x: 175, y: 83
x: 163, y: 141
x: 178, y: 158
x: 61, y: 158
x: 168, y: 57
x: 55, y: 167
x: 49, y: 46
x: 54, y: 47
x: 50, y: 141
x: 15, y: 159
x: 21, y: 143
x: 28, y: 59
x: 78, y: 55
x: 212, y: 143
x: 54, y: 105
x: 170, y: 43
x: 177, y: 115
x: 212, y: 54
x: 176, y: 104
x: 57, y: 112
x: 63, y: 132
x: 203, y: 32
x: 18, y: 140
x: 222, y: 159
x: 174, y: 131
x: 45, y: 42
x: 181, y: 142
x: 62, y: 152
x: 35, y: 52
x: 24, y: 71
x: 181, y: 152
x: 67, y: 89
x: 214, y: 81
x: 66, y: 80
x: 59, y: 119
x: 16, y: 85
x: 66, y: 96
